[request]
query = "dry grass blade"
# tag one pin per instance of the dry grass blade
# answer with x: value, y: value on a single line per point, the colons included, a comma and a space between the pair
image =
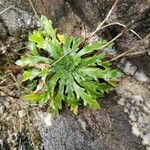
x: 127, y: 53
x: 33, y: 8
x: 120, y: 24
x: 6, y: 9
x: 102, y: 23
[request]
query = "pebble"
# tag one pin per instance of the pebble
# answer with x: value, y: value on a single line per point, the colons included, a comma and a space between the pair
x: 82, y: 123
x: 21, y: 113
x: 1, y: 143
x: 2, y: 93
x: 141, y: 76
x: 129, y: 68
x: 146, y: 109
x: 137, y: 99
x: 135, y: 129
x: 7, y: 104
x: 126, y: 110
x: 132, y: 116
x: 2, y: 108
x: 146, y: 139
x: 121, y: 101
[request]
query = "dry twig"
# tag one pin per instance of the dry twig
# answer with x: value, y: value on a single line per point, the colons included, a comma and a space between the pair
x: 33, y: 8
x: 6, y: 9
x: 127, y: 53
x: 102, y: 23
x: 120, y: 24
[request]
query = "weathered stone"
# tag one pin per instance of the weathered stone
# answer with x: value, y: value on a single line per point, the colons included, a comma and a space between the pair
x: 3, y: 32
x: 141, y: 76
x: 22, y: 113
x: 137, y: 106
x: 54, y: 9
x: 90, y: 130
x: 2, y: 108
x: 129, y: 68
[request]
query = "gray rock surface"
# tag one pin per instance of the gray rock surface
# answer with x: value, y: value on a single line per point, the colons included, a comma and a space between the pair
x: 107, y: 129
x: 135, y: 97
x: 15, y: 20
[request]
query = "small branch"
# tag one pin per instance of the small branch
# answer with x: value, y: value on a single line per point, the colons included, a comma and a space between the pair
x: 6, y: 9
x: 17, y: 84
x: 9, y: 94
x: 101, y: 24
x: 33, y: 8
x: 116, y: 37
x: 119, y: 56
x: 126, y: 53
x: 30, y: 129
x: 137, y: 53
x: 120, y: 24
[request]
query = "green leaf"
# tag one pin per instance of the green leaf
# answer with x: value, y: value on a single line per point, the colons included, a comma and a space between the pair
x: 30, y: 74
x: 33, y: 97
x: 92, y: 47
x: 33, y: 48
x: 71, y: 99
x: 47, y: 26
x: 71, y: 45
x: 53, y: 47
x: 88, y: 99
x: 92, y: 61
x: 89, y: 71
x: 33, y: 60
x: 108, y: 74
x: 95, y: 86
x: 37, y: 38
x: 44, y: 99
x: 52, y: 83
x: 57, y: 102
x: 67, y: 45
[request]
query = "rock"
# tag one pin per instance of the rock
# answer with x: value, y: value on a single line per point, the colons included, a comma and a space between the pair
x: 141, y: 76
x: 22, y: 113
x: 146, y: 139
x: 17, y: 20
x: 1, y: 144
x: 20, y: 21
x: 121, y: 101
x: 3, y: 31
x: 137, y: 106
x: 7, y: 104
x: 137, y: 99
x: 105, y: 129
x: 129, y: 68
x: 2, y: 108
x: 54, y: 9
x: 43, y: 120
x: 135, y: 129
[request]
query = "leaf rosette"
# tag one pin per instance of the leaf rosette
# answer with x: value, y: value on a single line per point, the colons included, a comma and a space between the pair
x: 61, y: 72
